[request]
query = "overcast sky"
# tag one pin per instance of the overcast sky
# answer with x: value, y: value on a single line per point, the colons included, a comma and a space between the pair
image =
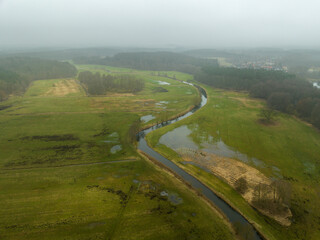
x: 160, y: 23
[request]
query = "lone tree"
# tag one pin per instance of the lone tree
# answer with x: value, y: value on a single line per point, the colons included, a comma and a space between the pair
x: 241, y: 185
x: 133, y: 130
x: 268, y: 115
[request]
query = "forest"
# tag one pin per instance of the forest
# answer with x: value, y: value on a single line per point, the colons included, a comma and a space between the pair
x: 282, y: 91
x: 16, y: 73
x: 159, y: 61
x: 97, y: 84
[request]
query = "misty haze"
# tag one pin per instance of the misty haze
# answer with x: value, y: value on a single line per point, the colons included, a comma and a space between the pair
x: 159, y: 119
x: 197, y: 24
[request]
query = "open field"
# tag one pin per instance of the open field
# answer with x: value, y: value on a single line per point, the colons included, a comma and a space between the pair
x: 55, y: 88
x: 107, y: 201
x: 223, y: 62
x: 68, y: 169
x: 288, y: 150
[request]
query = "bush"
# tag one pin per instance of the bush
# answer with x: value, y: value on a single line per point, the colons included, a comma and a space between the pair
x: 241, y: 185
x: 267, y: 115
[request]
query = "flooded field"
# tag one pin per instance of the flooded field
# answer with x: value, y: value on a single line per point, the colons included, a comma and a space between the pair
x: 181, y: 138
x: 163, y: 83
x: 232, y: 215
x: 147, y: 118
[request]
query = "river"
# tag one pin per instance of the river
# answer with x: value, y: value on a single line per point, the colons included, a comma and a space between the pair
x: 232, y: 215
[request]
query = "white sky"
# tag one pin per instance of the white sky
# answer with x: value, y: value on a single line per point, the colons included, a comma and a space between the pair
x: 153, y: 23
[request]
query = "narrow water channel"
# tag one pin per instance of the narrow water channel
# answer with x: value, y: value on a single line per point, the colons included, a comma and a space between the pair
x: 232, y: 215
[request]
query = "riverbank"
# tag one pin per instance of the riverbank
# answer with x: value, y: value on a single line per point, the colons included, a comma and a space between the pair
x: 232, y: 216
x: 67, y: 164
x: 232, y: 117
x: 163, y: 167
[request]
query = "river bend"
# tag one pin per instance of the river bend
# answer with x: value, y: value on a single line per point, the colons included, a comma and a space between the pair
x: 232, y: 215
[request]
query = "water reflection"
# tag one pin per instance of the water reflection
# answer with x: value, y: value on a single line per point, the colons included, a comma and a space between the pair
x: 317, y: 85
x: 115, y: 149
x: 147, y: 118
x: 181, y: 137
x: 232, y: 215
x: 163, y: 83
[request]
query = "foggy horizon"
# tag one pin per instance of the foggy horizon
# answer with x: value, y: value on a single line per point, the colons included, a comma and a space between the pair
x: 159, y: 24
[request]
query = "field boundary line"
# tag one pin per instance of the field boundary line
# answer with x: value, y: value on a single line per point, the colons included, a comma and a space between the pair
x: 71, y: 165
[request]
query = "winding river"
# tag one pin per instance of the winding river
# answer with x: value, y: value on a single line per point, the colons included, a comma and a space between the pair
x: 232, y: 215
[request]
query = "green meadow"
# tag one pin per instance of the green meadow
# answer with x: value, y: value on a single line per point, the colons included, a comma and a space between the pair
x: 68, y: 169
x: 289, y: 150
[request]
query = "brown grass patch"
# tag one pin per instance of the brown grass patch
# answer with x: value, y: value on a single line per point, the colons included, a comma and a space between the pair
x: 267, y: 123
x: 231, y: 170
x: 63, y: 88
x: 250, y: 103
x: 109, y: 94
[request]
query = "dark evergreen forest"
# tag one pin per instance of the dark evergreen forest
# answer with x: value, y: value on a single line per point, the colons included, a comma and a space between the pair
x: 16, y: 73
x: 159, y: 61
x: 97, y: 84
x: 282, y: 91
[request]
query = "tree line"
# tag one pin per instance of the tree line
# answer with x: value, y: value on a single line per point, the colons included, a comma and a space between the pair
x: 282, y: 91
x: 16, y: 73
x: 97, y: 84
x: 155, y: 61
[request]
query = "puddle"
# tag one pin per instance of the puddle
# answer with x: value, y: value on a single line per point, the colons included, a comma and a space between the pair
x: 163, y: 83
x: 112, y: 138
x: 276, y: 171
x: 178, y: 138
x: 175, y: 199
x: 161, y: 104
x: 135, y: 181
x: 164, y: 194
x: 147, y: 118
x: 115, y: 149
x: 110, y: 141
x: 187, y: 83
x: 316, y: 85
x: 120, y: 175
x: 113, y: 135
x: 181, y: 138
x: 309, y: 167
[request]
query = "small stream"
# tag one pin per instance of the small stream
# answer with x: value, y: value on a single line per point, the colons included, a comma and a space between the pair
x: 232, y: 215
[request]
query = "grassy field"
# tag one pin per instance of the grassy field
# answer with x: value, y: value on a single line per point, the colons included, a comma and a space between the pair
x: 288, y: 150
x: 69, y: 171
